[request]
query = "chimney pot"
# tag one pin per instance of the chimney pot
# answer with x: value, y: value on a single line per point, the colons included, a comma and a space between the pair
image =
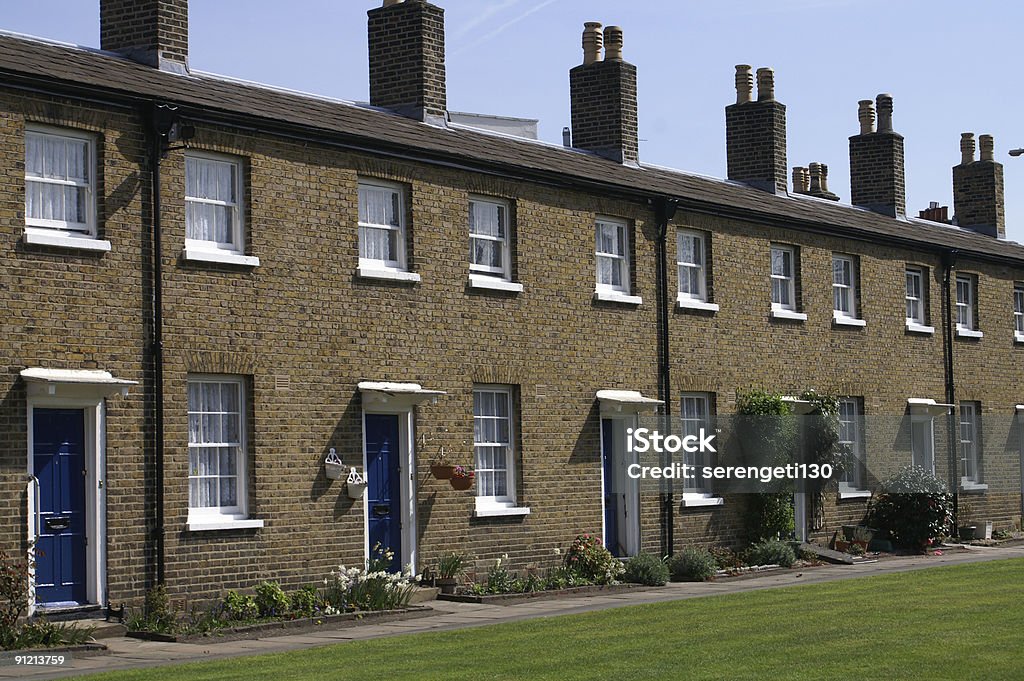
x: 987, y: 144
x: 388, y: 3
x: 613, y: 43
x: 566, y: 137
x: 765, y: 85
x: 866, y: 115
x: 744, y: 83
x: 884, y: 104
x: 801, y: 180
x: 815, y: 171
x: 593, y: 42
x: 824, y: 179
x: 966, y: 148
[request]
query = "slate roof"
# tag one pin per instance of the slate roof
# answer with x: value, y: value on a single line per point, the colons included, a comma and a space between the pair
x: 89, y: 72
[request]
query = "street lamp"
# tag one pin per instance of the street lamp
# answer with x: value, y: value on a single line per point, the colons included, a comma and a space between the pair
x: 1016, y: 152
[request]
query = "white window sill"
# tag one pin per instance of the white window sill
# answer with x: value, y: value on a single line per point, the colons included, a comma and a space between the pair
x: 64, y: 240
x: 617, y: 297
x: 691, y: 304
x: 973, y: 487
x: 969, y: 333
x: 389, y: 275
x: 482, y: 281
x: 698, y: 500
x: 499, y: 511
x: 854, y: 494
x: 222, y: 257
x: 913, y: 327
x: 848, y: 321
x: 1018, y: 337
x: 791, y: 315
x: 210, y: 524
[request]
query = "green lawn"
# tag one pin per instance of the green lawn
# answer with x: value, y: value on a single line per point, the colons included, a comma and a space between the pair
x: 959, y: 623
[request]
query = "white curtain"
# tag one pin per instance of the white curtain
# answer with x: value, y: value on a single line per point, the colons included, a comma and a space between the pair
x: 56, y: 174
x: 210, y: 200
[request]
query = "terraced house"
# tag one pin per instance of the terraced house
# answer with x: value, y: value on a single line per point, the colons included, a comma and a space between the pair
x: 214, y: 292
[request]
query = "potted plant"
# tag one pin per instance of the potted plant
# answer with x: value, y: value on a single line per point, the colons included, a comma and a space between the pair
x: 462, y: 478
x: 449, y: 568
x: 440, y: 469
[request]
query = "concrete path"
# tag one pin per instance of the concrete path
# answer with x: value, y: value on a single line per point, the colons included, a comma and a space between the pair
x: 128, y: 653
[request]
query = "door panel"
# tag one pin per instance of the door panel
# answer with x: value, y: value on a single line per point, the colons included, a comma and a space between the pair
x: 612, y: 493
x: 58, y: 454
x: 383, y: 485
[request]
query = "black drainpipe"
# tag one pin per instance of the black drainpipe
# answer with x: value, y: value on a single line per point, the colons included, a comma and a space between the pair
x: 665, y: 210
x: 162, y: 118
x: 948, y: 264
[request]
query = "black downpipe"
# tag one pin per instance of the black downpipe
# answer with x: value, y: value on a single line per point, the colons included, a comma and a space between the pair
x: 665, y: 210
x: 160, y: 129
x: 948, y: 264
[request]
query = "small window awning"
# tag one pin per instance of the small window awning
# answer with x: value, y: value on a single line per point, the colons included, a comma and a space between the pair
x: 626, y: 401
x: 927, y: 407
x: 799, y: 407
x: 396, y: 394
x: 67, y: 382
x: 1019, y: 408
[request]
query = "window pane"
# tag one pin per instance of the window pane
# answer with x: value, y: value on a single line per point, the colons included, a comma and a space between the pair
x: 781, y: 262
x: 487, y: 253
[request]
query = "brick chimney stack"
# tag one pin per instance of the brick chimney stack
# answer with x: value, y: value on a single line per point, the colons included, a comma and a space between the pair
x: 603, y: 97
x: 407, y: 72
x: 755, y: 133
x: 877, y: 179
x: 978, y: 188
x: 151, y: 32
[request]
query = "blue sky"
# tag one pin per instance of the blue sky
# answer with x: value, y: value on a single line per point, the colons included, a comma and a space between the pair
x: 951, y: 67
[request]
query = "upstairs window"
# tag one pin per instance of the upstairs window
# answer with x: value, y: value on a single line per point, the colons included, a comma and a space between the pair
x: 381, y: 226
x: 60, y: 182
x: 966, y: 301
x: 489, y: 238
x: 844, y: 287
x: 612, y: 252
x: 1018, y: 311
x: 213, y: 203
x: 783, y: 278
x: 915, y: 296
x: 690, y: 260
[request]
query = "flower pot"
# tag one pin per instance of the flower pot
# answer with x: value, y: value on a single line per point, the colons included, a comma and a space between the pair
x: 333, y: 467
x: 441, y: 471
x: 355, y: 485
x: 446, y: 584
x: 462, y: 483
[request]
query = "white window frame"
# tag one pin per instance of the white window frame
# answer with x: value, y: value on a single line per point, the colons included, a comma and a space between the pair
x: 622, y: 261
x: 505, y: 270
x: 970, y: 446
x: 690, y: 424
x: 845, y: 290
x: 1018, y: 312
x: 787, y: 283
x: 237, y: 244
x: 915, y: 277
x: 60, y: 232
x: 966, y: 295
x: 224, y: 517
x: 498, y: 504
x: 699, y: 264
x: 397, y: 267
x: 851, y: 434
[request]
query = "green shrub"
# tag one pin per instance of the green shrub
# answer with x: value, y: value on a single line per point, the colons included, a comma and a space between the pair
x: 646, y: 569
x: 563, y: 577
x: 157, y: 614
x: 239, y: 607
x: 771, y: 552
x: 593, y: 561
x: 13, y: 597
x: 451, y: 565
x: 692, y: 564
x: 726, y: 558
x: 914, y: 508
x: 271, y: 600
x: 41, y: 633
x: 305, y: 601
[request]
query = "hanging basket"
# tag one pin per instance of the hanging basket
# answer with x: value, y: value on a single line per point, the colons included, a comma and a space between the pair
x: 355, y: 485
x: 441, y: 471
x: 333, y: 467
x: 461, y: 483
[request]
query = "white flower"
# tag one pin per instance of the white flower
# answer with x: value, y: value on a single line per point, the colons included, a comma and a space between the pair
x: 558, y: 551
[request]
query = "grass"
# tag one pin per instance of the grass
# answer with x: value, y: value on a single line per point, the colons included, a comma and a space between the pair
x: 960, y: 623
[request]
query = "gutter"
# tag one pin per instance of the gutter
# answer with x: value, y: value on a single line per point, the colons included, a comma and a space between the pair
x: 665, y: 210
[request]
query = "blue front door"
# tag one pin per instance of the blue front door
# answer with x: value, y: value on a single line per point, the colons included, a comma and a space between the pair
x: 58, y: 452
x: 383, y: 485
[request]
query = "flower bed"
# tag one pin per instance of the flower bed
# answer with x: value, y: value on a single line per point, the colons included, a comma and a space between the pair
x: 286, y: 627
x: 511, y: 598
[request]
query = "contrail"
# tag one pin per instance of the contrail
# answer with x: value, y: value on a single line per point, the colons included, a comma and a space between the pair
x: 483, y: 16
x: 511, y: 22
